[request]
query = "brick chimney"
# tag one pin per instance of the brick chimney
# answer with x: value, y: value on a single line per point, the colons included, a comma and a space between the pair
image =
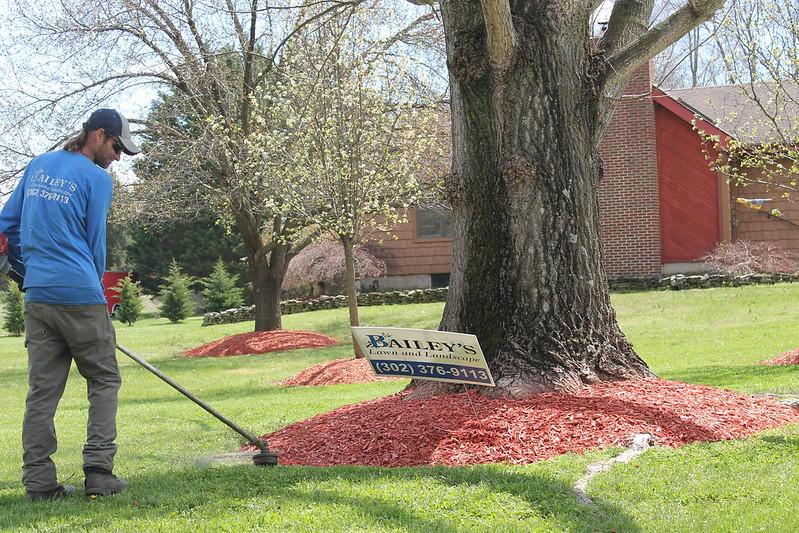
x: 629, y: 213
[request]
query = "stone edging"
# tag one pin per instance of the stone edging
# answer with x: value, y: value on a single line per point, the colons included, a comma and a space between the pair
x: 676, y: 282
x: 679, y: 282
x: 365, y: 299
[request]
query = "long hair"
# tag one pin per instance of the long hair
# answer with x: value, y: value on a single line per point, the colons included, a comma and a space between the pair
x: 77, y: 141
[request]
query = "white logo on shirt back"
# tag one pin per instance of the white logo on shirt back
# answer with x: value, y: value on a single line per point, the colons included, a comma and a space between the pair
x: 49, y: 188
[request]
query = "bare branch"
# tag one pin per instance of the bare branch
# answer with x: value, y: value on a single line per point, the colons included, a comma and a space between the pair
x: 402, y: 34
x: 247, y: 86
x: 167, y: 26
x: 194, y: 31
x: 332, y: 10
x: 234, y: 17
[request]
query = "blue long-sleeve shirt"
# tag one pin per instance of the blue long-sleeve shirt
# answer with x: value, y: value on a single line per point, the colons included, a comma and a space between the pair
x: 55, y: 223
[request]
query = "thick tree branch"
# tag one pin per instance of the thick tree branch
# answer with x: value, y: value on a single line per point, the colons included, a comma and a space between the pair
x: 628, y: 21
x: 690, y: 15
x: 500, y: 35
x: 248, y: 225
x: 303, y: 243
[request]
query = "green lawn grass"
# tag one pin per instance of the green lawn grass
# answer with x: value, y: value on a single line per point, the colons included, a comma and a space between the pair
x: 703, y: 336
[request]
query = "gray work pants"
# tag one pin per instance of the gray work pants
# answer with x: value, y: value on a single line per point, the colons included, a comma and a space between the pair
x: 54, y: 336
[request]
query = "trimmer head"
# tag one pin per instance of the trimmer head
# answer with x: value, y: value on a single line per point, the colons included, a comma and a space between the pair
x: 265, y: 458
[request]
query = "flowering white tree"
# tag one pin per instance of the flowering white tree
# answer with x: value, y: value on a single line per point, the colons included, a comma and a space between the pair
x: 353, y: 143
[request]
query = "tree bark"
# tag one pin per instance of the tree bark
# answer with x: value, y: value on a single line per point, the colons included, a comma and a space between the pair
x: 527, y: 274
x: 268, y: 272
x: 349, y: 281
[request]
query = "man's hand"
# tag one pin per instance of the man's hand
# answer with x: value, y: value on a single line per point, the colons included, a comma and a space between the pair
x: 5, y: 266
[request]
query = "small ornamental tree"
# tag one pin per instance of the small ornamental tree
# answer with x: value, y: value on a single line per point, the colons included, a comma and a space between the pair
x: 220, y: 291
x: 742, y: 258
x: 176, y: 302
x: 13, y: 320
x: 354, y: 152
x: 322, y: 264
x: 130, y: 305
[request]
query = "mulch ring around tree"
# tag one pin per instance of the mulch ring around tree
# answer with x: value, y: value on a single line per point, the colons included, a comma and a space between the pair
x: 261, y: 342
x: 335, y: 372
x: 468, y: 428
x: 788, y: 358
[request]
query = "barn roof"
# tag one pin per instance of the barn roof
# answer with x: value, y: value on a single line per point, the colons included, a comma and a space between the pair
x: 759, y: 112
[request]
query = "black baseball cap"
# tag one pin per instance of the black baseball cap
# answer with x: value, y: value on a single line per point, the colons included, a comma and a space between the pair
x: 114, y: 124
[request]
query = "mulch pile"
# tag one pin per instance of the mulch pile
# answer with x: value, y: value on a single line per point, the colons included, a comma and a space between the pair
x: 467, y: 428
x: 260, y: 342
x: 335, y: 372
x: 788, y: 358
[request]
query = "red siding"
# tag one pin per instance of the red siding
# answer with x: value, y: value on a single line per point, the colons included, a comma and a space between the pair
x: 689, y: 195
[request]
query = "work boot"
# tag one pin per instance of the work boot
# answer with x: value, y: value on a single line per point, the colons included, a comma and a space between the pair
x: 61, y: 491
x: 103, y: 483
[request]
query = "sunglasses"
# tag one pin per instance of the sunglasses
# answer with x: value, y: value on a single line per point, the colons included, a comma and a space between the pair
x: 117, y: 146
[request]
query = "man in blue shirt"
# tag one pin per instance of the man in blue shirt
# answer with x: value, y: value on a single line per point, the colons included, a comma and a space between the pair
x: 55, y: 225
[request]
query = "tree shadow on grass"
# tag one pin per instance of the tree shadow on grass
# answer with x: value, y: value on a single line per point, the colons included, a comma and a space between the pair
x: 365, y: 497
x: 789, y: 444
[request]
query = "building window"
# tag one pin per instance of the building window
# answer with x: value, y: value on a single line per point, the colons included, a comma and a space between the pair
x: 433, y: 223
x: 438, y: 281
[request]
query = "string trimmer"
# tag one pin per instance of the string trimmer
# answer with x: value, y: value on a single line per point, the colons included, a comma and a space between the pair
x: 263, y: 458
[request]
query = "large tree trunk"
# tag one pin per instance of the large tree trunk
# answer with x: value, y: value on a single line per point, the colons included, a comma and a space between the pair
x: 268, y: 272
x: 527, y: 274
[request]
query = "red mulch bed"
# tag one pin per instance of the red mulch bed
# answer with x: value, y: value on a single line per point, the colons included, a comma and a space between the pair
x: 788, y: 358
x: 335, y: 372
x: 467, y: 428
x: 260, y: 342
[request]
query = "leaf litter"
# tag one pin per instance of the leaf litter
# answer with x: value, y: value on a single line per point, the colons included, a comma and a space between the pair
x: 469, y: 428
